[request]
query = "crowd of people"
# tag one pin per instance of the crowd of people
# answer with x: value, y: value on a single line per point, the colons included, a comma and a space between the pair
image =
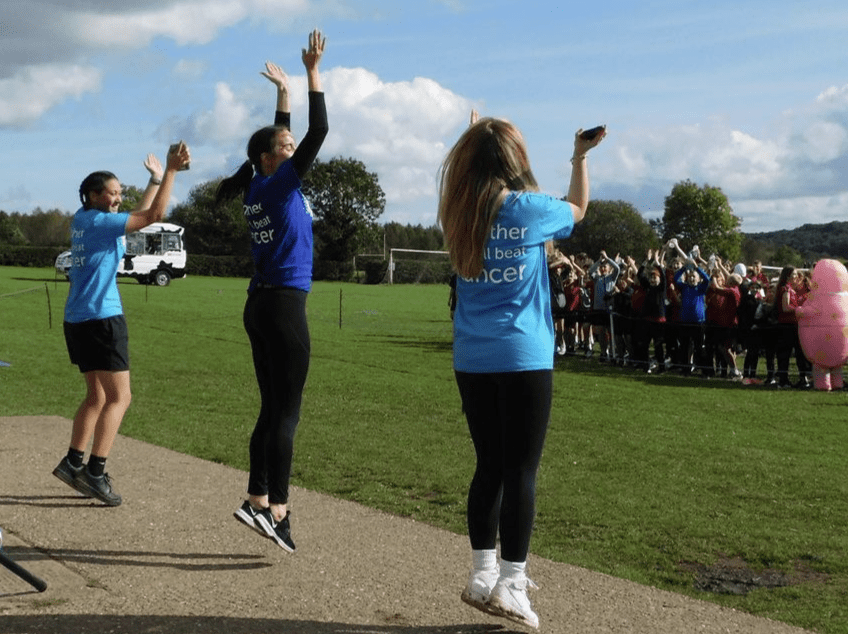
x: 678, y: 312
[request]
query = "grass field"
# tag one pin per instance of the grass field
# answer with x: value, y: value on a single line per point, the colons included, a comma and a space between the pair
x: 668, y: 481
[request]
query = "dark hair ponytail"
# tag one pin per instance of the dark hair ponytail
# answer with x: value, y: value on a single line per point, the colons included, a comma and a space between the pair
x: 236, y: 185
x: 94, y: 182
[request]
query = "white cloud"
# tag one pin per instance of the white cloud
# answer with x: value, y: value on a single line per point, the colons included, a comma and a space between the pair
x: 39, y: 36
x: 227, y: 122
x: 190, y: 69
x: 184, y: 22
x: 399, y: 130
x: 32, y: 91
x: 805, y: 153
x: 764, y: 215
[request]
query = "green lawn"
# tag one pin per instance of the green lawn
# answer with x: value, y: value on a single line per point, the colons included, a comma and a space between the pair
x: 643, y: 477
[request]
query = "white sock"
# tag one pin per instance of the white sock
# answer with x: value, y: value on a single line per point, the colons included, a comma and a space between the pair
x: 514, y: 570
x: 484, y: 559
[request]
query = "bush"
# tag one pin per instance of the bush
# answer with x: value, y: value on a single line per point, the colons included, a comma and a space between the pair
x: 29, y: 256
x: 332, y: 271
x: 375, y: 271
x: 219, y: 265
x: 421, y: 272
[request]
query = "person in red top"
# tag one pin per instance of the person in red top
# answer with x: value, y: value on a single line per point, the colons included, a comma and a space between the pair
x: 722, y: 306
x: 756, y: 274
x: 571, y: 288
x: 785, y: 302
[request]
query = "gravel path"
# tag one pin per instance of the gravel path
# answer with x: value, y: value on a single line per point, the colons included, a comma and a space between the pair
x: 172, y: 559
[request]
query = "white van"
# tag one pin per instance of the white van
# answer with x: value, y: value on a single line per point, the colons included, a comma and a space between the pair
x: 155, y: 255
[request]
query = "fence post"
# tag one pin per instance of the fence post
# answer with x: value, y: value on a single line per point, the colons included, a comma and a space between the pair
x: 49, y: 308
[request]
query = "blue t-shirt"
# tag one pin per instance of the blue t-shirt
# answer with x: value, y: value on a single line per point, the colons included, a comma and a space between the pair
x: 503, y: 317
x: 280, y: 223
x: 693, y: 309
x: 97, y: 247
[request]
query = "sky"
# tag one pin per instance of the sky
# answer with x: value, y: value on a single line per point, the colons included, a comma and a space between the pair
x: 750, y: 97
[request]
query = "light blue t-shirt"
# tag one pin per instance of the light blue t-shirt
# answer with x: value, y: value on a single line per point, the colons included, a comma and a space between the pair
x: 96, y: 251
x: 503, y: 317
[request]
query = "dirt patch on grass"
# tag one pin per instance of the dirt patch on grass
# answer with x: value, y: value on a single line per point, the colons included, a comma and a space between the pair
x: 733, y: 575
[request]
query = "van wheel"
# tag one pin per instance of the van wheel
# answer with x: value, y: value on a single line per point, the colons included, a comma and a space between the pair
x: 161, y: 278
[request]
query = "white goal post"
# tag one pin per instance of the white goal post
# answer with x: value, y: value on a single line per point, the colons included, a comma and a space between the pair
x: 392, y: 259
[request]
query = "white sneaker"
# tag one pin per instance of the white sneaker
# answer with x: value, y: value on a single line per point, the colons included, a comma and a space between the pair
x: 509, y: 600
x: 480, y: 584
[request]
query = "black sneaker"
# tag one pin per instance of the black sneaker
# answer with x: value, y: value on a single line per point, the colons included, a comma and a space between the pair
x: 67, y: 473
x: 99, y: 487
x: 280, y: 531
x: 247, y: 515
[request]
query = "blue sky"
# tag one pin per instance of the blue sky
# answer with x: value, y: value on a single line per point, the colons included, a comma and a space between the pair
x: 751, y: 97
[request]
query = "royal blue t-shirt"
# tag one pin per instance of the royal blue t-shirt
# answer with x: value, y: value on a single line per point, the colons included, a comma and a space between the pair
x: 503, y: 317
x: 97, y: 247
x: 280, y: 223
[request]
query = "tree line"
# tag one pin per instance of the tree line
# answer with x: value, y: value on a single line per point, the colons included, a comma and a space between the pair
x: 347, y: 202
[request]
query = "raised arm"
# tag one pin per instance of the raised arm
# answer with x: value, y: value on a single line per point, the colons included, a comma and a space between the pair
x: 311, y: 58
x: 156, y: 211
x: 153, y: 166
x: 307, y: 151
x: 578, y: 190
x: 276, y: 76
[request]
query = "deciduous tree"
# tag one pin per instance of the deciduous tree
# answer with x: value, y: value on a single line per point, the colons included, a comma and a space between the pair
x: 346, y: 200
x: 613, y: 226
x: 702, y: 216
x: 212, y: 229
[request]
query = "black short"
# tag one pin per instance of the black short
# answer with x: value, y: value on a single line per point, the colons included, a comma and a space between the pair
x: 99, y: 344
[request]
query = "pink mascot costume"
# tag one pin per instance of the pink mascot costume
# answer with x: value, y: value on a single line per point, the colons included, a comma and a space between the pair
x: 823, y: 324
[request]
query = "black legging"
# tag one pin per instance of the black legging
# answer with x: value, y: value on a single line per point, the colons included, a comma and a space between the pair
x: 787, y: 342
x: 508, y: 417
x: 275, y: 321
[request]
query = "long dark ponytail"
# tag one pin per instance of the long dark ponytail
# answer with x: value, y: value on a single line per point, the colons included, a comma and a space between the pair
x: 236, y: 185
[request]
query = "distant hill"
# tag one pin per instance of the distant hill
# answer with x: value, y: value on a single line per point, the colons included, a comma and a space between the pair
x: 825, y: 240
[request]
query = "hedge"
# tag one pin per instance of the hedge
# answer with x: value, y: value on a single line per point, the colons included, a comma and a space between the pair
x: 406, y: 271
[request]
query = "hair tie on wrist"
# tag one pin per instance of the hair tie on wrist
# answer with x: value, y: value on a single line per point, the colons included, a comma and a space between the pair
x: 577, y: 158
x: 155, y: 181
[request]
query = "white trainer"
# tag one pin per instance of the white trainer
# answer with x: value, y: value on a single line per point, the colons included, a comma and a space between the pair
x: 480, y: 584
x: 509, y: 600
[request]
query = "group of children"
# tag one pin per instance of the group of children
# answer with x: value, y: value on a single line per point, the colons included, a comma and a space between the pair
x: 676, y: 311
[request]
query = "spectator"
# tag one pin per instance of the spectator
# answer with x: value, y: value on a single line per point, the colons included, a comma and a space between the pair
x: 692, y: 282
x: 603, y: 274
x: 785, y: 302
x: 651, y: 327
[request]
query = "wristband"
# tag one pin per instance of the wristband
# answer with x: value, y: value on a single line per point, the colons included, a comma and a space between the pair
x: 155, y: 181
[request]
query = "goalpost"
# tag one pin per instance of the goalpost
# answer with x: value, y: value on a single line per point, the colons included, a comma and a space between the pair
x: 392, y: 258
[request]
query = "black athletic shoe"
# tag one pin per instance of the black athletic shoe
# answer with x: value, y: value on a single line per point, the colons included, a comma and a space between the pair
x: 280, y: 531
x: 68, y: 473
x: 99, y: 487
x: 247, y: 515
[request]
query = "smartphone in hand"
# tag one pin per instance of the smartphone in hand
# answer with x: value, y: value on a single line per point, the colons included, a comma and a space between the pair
x: 591, y: 133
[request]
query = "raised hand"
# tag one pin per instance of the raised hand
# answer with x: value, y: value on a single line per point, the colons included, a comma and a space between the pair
x: 276, y: 76
x: 153, y: 166
x: 312, y: 56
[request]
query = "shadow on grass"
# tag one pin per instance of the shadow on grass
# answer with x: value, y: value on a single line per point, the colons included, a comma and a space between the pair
x: 593, y: 367
x: 410, y: 342
x: 143, y: 624
x: 42, y: 280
